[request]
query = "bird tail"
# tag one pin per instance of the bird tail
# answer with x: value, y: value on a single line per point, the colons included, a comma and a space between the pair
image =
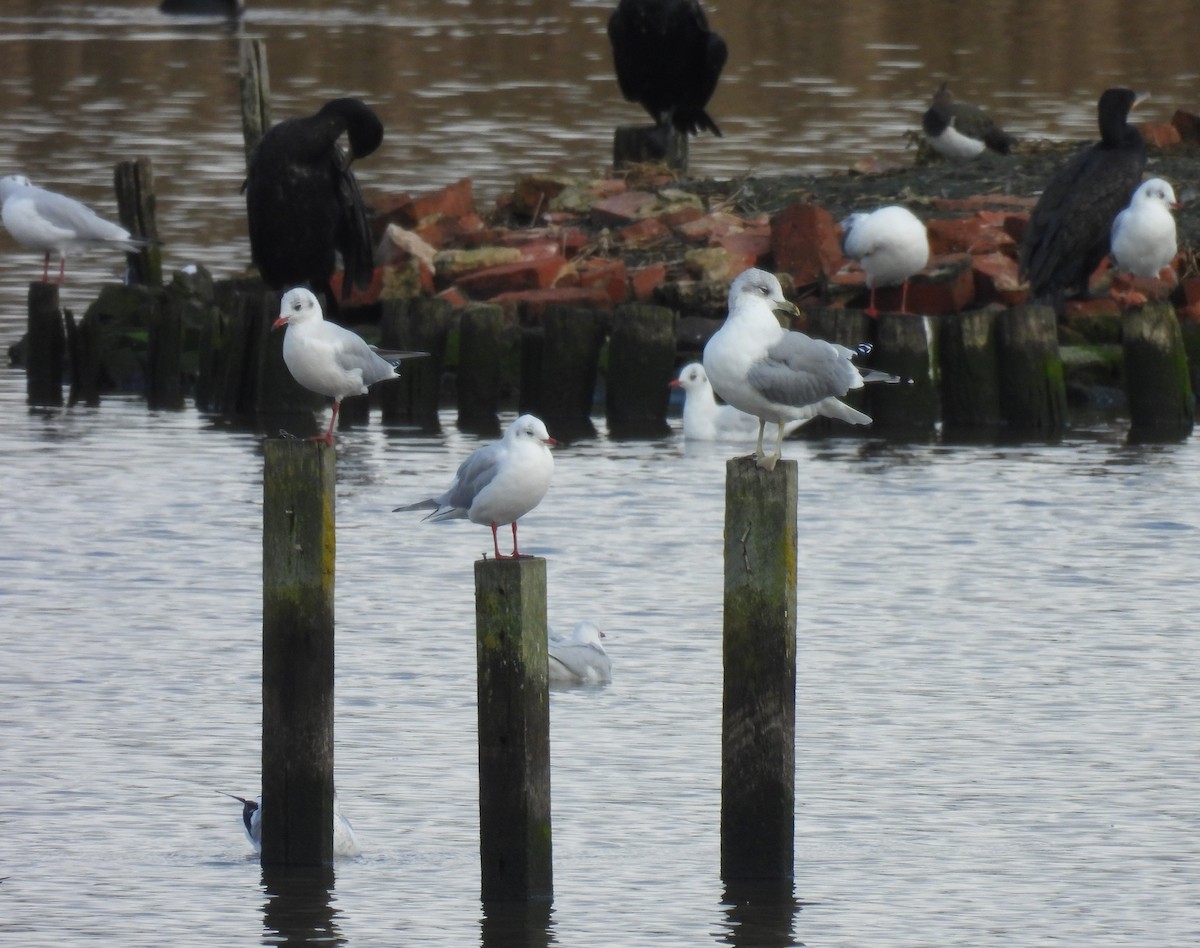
x: 396, y: 356
x: 429, y: 504
x: 874, y: 375
x: 832, y: 408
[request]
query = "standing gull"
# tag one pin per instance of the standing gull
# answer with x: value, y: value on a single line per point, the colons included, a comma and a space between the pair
x: 580, y: 658
x: 705, y: 419
x: 1143, y: 235
x: 960, y: 131
x: 498, y: 483
x: 345, y: 843
x: 53, y: 223
x: 327, y: 358
x: 776, y: 374
x: 890, y: 244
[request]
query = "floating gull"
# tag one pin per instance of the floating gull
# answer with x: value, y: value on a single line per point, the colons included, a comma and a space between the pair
x: 52, y: 223
x: 961, y: 131
x: 327, y: 358
x: 1143, y: 235
x: 345, y: 843
x: 705, y: 419
x: 498, y: 483
x: 580, y: 658
x: 891, y: 245
x: 775, y: 374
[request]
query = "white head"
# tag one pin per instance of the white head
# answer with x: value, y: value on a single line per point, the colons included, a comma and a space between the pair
x: 298, y: 306
x: 692, y: 377
x: 11, y: 183
x: 759, y: 284
x: 587, y: 633
x: 1155, y: 190
x: 529, y: 428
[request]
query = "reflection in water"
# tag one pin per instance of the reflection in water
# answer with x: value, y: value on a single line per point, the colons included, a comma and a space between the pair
x: 299, y: 907
x: 760, y: 913
x: 517, y: 924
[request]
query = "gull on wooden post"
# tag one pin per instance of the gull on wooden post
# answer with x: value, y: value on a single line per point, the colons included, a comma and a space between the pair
x: 891, y: 244
x: 498, y: 483
x: 1143, y: 235
x: 777, y: 374
x: 327, y: 358
x: 52, y: 223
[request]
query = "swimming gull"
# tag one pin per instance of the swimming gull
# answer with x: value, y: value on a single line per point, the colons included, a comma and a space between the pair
x: 705, y: 419
x: 345, y: 843
x: 1143, y: 235
x: 890, y: 244
x: 776, y: 374
x: 580, y: 658
x: 498, y: 483
x: 961, y: 131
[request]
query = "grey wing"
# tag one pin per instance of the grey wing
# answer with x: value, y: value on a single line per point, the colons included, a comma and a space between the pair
x: 800, y: 371
x: 571, y: 661
x: 474, y: 474
x: 69, y: 214
x: 353, y: 352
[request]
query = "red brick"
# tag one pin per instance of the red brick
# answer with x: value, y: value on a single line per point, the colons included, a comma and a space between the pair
x: 647, y: 231
x: 681, y: 216
x: 710, y: 226
x: 967, y: 235
x: 442, y: 231
x: 947, y: 285
x: 358, y: 297
x: 533, y: 303
x: 1097, y: 306
x: 749, y: 248
x: 805, y: 242
x: 512, y: 277
x: 645, y: 280
x: 1187, y: 124
x: 621, y: 208
x: 1144, y: 289
x: 1191, y: 291
x: 533, y: 194
x: 454, y: 296
x: 982, y: 202
x: 454, y: 200
x: 1014, y: 226
x: 997, y: 278
x: 606, y: 274
x: 1159, y: 134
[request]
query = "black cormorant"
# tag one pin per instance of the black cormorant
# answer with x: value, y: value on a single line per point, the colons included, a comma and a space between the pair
x: 667, y: 60
x: 302, y: 201
x: 1068, y: 232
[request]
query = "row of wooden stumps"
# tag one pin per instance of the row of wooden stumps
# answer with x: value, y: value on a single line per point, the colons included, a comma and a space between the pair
x: 758, y: 709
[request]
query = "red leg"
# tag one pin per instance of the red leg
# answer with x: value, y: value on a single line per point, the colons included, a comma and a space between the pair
x: 516, y: 552
x: 871, y: 310
x: 327, y: 437
x: 496, y: 543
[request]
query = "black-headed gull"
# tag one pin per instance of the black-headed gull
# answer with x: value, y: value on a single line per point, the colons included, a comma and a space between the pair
x: 303, y: 205
x: 498, y: 483
x: 327, y: 358
x: 705, y: 419
x: 345, y: 843
x: 52, y: 223
x: 580, y: 658
x: 890, y: 244
x: 776, y: 374
x: 1143, y: 235
x: 667, y: 60
x: 961, y: 131
x: 1069, y: 229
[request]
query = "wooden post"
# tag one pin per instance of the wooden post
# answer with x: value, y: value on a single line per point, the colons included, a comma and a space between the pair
x: 421, y: 325
x: 45, y: 347
x: 480, y: 343
x: 83, y: 345
x: 1157, y: 380
x: 641, y: 360
x: 514, y: 729
x: 1033, y: 389
x: 970, y: 371
x: 297, y: 681
x: 758, y: 724
x: 645, y: 144
x: 570, y: 362
x: 164, y: 354
x: 906, y: 345
x: 254, y: 84
x: 134, y: 184
x: 846, y: 327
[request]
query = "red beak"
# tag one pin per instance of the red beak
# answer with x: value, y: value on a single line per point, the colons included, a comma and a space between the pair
x: 281, y: 321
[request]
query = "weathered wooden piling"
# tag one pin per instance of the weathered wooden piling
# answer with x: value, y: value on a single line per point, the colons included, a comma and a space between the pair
x: 298, y: 653
x: 480, y: 343
x: 421, y: 325
x: 905, y: 345
x: 846, y: 327
x: 45, y: 347
x: 970, y: 368
x: 136, y: 203
x: 514, y: 729
x: 1157, y: 382
x: 164, y: 354
x: 571, y: 341
x: 644, y: 144
x: 758, y: 726
x: 83, y: 346
x: 254, y: 84
x: 641, y: 360
x: 1033, y: 390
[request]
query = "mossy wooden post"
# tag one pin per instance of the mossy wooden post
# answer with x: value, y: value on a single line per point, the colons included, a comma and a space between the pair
x: 418, y: 325
x: 1033, y: 389
x: 641, y: 360
x: 45, y: 347
x: 254, y: 84
x: 905, y: 345
x: 480, y: 342
x: 514, y: 729
x: 297, y: 679
x: 1157, y: 379
x: 570, y: 362
x: 164, y: 354
x: 83, y: 345
x: 758, y: 721
x: 970, y: 370
x: 645, y: 144
x: 136, y: 203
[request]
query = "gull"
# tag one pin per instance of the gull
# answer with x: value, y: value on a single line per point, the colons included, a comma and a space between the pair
x: 53, y: 223
x: 1143, y: 235
x: 705, y: 419
x: 891, y: 245
x: 580, y: 658
x: 345, y: 843
x: 498, y: 483
x: 776, y: 374
x: 327, y: 358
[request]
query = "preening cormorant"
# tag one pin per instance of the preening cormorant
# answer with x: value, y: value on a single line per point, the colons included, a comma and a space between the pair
x: 302, y: 201
x: 667, y: 60
x: 1068, y: 232
x: 961, y: 131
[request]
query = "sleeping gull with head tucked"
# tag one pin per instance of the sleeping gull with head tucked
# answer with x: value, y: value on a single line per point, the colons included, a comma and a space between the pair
x: 580, y: 658
x: 776, y: 374
x: 498, y: 483
x: 890, y: 244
